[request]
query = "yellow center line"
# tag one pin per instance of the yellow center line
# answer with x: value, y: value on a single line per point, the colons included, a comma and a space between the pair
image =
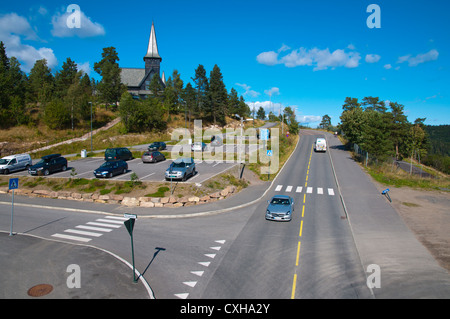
x: 298, y: 253
x: 293, y: 286
x: 301, y: 229
x: 294, y: 281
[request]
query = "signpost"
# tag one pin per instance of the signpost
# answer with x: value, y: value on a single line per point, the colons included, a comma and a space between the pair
x: 129, y: 224
x: 13, y: 184
x: 269, y: 154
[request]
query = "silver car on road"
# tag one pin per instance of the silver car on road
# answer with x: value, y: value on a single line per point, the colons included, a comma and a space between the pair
x: 280, y: 208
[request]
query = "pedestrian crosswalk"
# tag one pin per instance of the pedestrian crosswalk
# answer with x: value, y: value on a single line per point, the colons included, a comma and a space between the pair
x: 307, y: 190
x: 85, y: 233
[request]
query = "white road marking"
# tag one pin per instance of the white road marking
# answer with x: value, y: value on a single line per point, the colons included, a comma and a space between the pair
x: 181, y: 296
x: 309, y: 190
x: 197, y: 273
x: 330, y: 192
x: 288, y: 189
x: 205, y: 263
x: 81, y: 232
x: 106, y: 230
x: 190, y: 283
x: 319, y: 190
x: 279, y: 187
x: 76, y: 238
x: 299, y: 189
x: 103, y: 224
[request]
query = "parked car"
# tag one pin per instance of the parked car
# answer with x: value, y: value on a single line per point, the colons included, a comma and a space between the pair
x: 320, y: 145
x: 280, y: 208
x: 216, y: 141
x: 180, y: 169
x: 117, y: 153
x: 157, y: 146
x: 15, y: 163
x: 111, y: 168
x: 48, y: 164
x: 198, y: 146
x: 153, y: 157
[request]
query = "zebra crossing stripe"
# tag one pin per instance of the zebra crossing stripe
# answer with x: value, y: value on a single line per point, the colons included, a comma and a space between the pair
x: 309, y: 190
x: 319, y: 190
x: 279, y: 187
x: 299, y: 189
x: 330, y: 192
x: 288, y: 189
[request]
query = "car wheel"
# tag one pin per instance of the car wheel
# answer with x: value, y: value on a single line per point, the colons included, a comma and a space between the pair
x: 124, y: 171
x: 64, y: 168
x: 184, y: 178
x: 46, y: 172
x: 6, y: 171
x: 110, y: 175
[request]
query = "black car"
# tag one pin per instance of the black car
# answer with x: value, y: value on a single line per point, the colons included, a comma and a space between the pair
x: 49, y: 164
x: 157, y: 146
x: 153, y: 157
x: 117, y: 153
x: 111, y: 168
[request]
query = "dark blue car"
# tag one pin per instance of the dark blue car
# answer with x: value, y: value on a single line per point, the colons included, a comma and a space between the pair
x: 111, y: 168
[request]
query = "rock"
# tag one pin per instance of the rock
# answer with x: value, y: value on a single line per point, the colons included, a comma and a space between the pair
x: 164, y: 200
x: 193, y: 199
x: 215, y: 195
x: 130, y: 201
x: 147, y: 204
x: 104, y: 197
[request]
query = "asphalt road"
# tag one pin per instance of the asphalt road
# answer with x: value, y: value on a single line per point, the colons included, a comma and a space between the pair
x: 324, y: 252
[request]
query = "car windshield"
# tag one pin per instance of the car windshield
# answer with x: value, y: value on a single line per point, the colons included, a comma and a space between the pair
x: 3, y: 161
x: 42, y: 161
x: 109, y: 152
x: 106, y: 164
x: 280, y: 201
x: 179, y: 164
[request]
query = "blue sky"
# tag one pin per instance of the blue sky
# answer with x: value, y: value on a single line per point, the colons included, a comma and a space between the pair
x: 309, y: 55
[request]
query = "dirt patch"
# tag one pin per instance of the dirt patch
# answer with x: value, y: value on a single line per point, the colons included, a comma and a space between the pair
x: 427, y: 214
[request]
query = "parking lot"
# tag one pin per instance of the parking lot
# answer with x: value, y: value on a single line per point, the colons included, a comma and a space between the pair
x: 153, y: 172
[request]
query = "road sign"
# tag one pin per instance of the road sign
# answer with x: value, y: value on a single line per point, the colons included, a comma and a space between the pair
x: 129, y: 224
x: 13, y: 183
x: 269, y: 152
x: 264, y: 134
x: 132, y: 216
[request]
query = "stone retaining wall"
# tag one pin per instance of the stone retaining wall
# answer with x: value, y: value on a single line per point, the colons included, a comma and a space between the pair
x: 125, y: 200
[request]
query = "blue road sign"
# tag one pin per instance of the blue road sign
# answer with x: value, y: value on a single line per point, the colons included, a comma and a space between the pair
x: 269, y: 153
x: 264, y: 134
x: 13, y: 183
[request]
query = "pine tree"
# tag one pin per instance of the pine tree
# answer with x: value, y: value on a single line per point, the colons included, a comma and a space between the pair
x: 219, y: 95
x: 110, y: 87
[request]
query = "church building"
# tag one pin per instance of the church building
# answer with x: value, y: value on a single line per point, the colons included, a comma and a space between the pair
x: 138, y: 80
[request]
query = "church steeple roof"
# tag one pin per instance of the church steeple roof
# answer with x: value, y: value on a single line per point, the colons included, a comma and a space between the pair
x: 152, y: 51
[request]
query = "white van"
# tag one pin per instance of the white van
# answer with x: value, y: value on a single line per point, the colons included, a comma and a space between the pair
x: 15, y: 163
x: 320, y: 145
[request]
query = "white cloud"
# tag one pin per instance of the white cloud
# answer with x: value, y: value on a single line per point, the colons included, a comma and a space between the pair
x: 268, y: 58
x: 85, y: 67
x: 87, y: 27
x: 387, y: 66
x: 306, y: 119
x: 372, y: 58
x: 272, y: 91
x: 321, y: 59
x: 12, y: 29
x: 432, y: 55
x: 248, y: 92
x: 266, y: 105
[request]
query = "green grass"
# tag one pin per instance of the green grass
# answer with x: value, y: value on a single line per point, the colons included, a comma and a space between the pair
x: 386, y: 175
x: 160, y: 192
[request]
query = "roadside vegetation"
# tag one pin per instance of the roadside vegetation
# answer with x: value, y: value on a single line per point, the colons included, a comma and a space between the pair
x: 379, y: 137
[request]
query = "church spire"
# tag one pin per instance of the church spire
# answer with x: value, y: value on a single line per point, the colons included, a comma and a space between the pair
x: 152, y: 51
